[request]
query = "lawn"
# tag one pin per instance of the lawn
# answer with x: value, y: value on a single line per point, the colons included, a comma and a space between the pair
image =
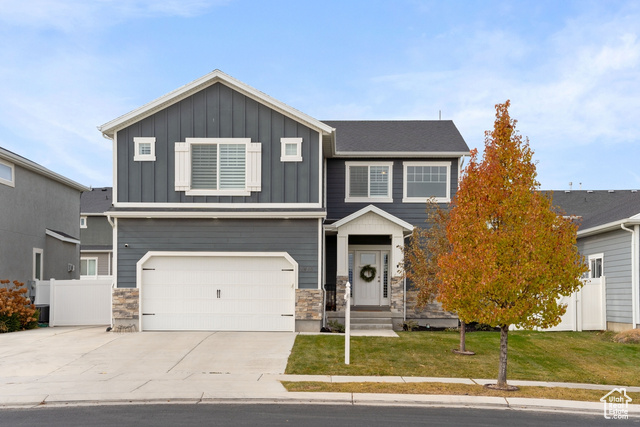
x: 581, y: 357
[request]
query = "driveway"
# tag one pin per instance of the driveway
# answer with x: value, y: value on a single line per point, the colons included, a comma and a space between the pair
x: 75, y: 363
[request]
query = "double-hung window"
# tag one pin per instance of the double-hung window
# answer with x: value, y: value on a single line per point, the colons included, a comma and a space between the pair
x: 217, y: 166
x: 89, y: 267
x: 7, y: 173
x: 426, y: 180
x: 368, y: 182
x: 596, y: 269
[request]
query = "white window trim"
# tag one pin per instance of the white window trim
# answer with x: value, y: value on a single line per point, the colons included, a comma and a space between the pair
x: 290, y: 158
x: 12, y: 181
x: 41, y: 252
x: 83, y: 222
x: 88, y: 259
x: 592, y: 257
x: 137, y: 157
x: 406, y: 199
x: 388, y: 199
x: 252, y: 167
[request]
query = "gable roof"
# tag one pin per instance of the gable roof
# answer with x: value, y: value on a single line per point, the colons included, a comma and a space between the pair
x: 16, y: 159
x: 376, y: 210
x: 437, y: 138
x: 110, y: 128
x: 96, y: 201
x: 601, y: 209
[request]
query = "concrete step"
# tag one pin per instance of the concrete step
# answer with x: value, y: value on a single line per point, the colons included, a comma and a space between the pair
x: 365, y: 320
x: 371, y: 326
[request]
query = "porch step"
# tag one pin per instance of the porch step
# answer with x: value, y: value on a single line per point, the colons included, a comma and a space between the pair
x: 368, y: 323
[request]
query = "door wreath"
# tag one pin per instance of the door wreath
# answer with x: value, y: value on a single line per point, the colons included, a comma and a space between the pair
x: 368, y: 273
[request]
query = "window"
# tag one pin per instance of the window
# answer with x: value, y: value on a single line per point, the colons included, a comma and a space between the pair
x: 368, y: 182
x: 290, y: 149
x: 7, y: 173
x: 425, y: 180
x: 83, y: 222
x: 596, y: 266
x: 218, y: 166
x: 89, y: 267
x: 37, y: 264
x: 145, y: 149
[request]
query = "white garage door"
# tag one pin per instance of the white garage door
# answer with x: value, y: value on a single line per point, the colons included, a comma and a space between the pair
x: 240, y: 292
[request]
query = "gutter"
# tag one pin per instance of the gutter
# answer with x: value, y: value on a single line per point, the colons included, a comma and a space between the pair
x: 635, y: 283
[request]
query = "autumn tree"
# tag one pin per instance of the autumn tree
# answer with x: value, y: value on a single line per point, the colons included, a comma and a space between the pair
x: 420, y: 260
x: 512, y: 255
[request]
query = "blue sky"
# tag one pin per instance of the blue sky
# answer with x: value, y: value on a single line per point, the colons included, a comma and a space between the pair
x: 570, y: 68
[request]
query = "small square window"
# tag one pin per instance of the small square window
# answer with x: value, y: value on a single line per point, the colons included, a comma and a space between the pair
x: 145, y: 149
x: 83, y: 222
x: 290, y: 149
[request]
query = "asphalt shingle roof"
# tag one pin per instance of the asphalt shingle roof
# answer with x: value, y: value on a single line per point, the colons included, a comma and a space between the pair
x: 428, y: 136
x: 598, y: 207
x: 98, y: 200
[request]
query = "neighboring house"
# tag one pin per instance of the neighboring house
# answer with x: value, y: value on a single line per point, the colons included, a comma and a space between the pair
x: 39, y: 221
x: 234, y: 211
x: 609, y: 239
x: 96, y: 234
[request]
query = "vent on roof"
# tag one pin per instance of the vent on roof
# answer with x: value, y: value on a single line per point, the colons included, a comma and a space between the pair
x: 589, y: 191
x: 611, y: 191
x: 567, y: 191
x: 634, y: 191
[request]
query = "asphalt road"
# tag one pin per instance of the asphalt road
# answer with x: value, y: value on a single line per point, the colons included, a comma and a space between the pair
x: 292, y: 415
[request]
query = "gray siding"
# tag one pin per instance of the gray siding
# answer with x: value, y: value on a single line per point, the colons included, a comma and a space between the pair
x: 218, y: 112
x: 104, y: 261
x: 413, y: 213
x: 299, y: 238
x: 26, y: 211
x: 616, y: 247
x: 97, y: 233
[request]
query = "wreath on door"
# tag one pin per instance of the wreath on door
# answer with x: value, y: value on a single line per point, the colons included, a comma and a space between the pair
x: 368, y: 273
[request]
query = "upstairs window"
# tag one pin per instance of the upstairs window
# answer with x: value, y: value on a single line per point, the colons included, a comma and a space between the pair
x: 218, y: 166
x: 145, y: 149
x: 368, y: 182
x: 426, y: 180
x: 83, y: 222
x: 596, y: 266
x: 290, y: 149
x: 7, y: 173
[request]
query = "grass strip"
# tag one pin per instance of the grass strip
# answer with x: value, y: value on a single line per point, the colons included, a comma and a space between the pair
x: 558, y: 393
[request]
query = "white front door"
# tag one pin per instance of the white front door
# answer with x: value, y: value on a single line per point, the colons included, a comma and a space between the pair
x: 368, y: 292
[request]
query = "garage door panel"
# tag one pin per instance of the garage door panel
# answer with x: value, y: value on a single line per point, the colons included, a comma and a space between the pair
x: 241, y: 293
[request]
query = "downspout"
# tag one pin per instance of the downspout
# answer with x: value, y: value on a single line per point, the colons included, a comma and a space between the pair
x: 114, y: 265
x: 634, y: 275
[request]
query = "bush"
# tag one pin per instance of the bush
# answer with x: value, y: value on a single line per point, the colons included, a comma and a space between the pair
x: 335, y: 326
x: 16, y: 311
x: 632, y: 336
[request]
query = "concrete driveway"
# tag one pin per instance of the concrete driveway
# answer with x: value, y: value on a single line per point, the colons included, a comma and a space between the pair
x: 75, y: 363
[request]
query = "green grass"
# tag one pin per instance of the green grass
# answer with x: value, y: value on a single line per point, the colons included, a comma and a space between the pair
x: 581, y: 357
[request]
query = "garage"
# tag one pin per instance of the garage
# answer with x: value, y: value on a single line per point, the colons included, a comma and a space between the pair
x: 217, y: 291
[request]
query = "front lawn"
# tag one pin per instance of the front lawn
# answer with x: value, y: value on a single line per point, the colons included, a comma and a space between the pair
x: 581, y: 357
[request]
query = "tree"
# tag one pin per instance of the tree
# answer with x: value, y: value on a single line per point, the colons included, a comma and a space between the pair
x: 420, y: 260
x: 512, y: 255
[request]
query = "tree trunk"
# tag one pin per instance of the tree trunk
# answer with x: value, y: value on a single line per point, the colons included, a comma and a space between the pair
x: 502, y: 371
x: 463, y: 329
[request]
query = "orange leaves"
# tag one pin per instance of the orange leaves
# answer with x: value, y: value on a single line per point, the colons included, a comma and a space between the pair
x: 13, y: 302
x: 511, y: 254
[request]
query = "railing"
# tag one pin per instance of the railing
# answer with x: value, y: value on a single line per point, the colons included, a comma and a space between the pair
x: 330, y: 297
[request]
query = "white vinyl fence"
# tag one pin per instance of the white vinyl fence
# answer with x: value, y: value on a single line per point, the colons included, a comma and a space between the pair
x: 76, y: 302
x: 586, y: 309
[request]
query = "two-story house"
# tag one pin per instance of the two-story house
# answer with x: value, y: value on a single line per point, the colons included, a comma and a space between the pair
x: 232, y: 210
x: 39, y: 221
x: 96, y: 234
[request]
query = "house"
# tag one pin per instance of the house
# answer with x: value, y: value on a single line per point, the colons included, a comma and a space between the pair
x: 39, y: 221
x: 234, y: 211
x: 96, y: 234
x: 608, y: 238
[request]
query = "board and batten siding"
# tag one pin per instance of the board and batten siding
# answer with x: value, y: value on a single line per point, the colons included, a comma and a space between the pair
x: 297, y: 237
x: 616, y: 247
x: 413, y: 213
x: 218, y: 112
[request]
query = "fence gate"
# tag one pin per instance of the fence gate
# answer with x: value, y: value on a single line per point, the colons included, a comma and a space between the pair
x: 76, y: 302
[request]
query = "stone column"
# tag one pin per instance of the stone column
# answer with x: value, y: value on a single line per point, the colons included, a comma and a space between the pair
x: 341, y: 286
x: 125, y: 309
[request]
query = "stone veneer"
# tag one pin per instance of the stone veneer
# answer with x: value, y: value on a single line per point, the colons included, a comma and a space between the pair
x: 396, y: 302
x: 429, y: 311
x: 309, y: 304
x: 125, y: 307
x: 341, y: 286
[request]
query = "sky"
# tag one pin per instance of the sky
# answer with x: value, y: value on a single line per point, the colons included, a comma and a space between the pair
x: 570, y: 68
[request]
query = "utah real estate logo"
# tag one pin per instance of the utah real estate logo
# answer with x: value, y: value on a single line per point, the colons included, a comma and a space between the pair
x: 616, y: 404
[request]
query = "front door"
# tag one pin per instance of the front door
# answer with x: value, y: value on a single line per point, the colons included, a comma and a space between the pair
x: 369, y: 277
